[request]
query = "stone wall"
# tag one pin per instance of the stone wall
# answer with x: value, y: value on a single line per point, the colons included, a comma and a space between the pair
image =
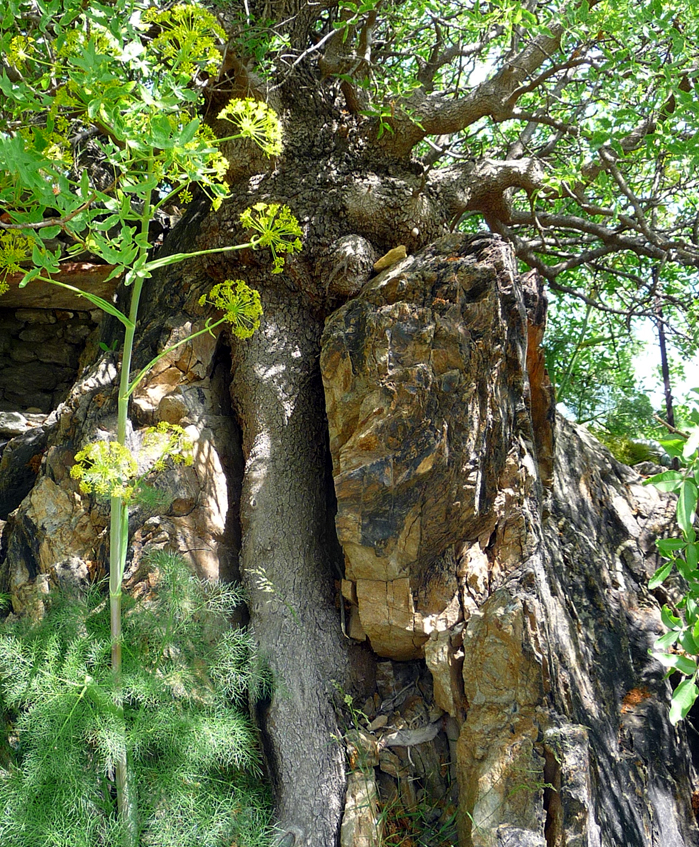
x: 40, y: 352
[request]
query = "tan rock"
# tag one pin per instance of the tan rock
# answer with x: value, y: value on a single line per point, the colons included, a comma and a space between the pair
x: 390, y: 258
x: 388, y: 617
x: 349, y: 591
x: 355, y: 629
x: 419, y: 371
x: 361, y: 825
x: 445, y: 662
x: 172, y: 408
x: 500, y: 770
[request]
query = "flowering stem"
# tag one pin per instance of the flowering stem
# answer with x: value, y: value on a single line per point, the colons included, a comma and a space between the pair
x: 119, y: 534
x: 175, y: 258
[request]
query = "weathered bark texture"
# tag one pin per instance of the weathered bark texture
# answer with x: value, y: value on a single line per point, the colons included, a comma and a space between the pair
x: 503, y: 592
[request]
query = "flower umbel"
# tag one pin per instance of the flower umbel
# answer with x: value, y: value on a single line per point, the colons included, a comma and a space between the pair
x: 255, y: 120
x: 278, y: 229
x: 240, y: 304
x: 106, y: 468
x: 167, y: 441
x: 14, y: 248
x: 189, y: 38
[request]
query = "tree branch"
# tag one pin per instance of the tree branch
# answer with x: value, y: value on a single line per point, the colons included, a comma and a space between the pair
x: 485, y: 186
x: 423, y: 114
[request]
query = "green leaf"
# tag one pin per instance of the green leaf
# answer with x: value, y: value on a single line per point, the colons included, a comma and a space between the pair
x: 670, y: 621
x: 666, y: 546
x: 683, y: 698
x: 660, y: 575
x: 692, y: 444
x: 29, y: 276
x: 692, y: 555
x: 687, y: 506
x: 683, y: 664
x: 689, y: 645
x: 684, y: 569
x: 673, y: 447
x: 666, y: 641
x: 666, y: 481
x: 188, y: 132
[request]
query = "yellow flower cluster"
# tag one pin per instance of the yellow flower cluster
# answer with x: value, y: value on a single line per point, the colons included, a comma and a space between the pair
x: 255, y: 120
x: 106, y: 468
x: 188, y: 39
x: 167, y: 441
x: 239, y: 303
x: 109, y: 469
x: 14, y: 248
x: 278, y: 229
x: 20, y: 50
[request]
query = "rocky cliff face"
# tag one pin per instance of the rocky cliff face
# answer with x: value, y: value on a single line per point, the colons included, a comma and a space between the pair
x: 517, y: 572
x: 495, y: 565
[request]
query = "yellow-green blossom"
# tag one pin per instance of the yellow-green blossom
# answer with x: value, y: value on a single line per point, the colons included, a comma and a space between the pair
x: 189, y: 38
x: 106, y: 468
x: 14, y: 248
x: 256, y: 120
x: 20, y: 50
x: 278, y: 229
x: 167, y: 441
x: 240, y: 304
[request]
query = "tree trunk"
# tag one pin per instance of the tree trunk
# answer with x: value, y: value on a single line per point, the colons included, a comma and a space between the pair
x: 287, y: 565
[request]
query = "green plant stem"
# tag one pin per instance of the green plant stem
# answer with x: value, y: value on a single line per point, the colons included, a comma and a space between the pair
x: 93, y: 298
x: 175, y: 258
x: 119, y: 529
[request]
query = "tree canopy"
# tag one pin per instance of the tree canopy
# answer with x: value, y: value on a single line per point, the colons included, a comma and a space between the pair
x: 570, y: 128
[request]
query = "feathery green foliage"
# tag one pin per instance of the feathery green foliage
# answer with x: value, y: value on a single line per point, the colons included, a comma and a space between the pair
x: 186, y: 677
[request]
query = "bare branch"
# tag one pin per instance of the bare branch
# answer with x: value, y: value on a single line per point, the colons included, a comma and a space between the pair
x: 435, y: 115
x: 485, y: 186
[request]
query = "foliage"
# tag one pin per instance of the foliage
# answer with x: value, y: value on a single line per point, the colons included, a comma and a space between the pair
x: 129, y: 78
x: 590, y: 359
x: 185, y: 680
x: 678, y: 649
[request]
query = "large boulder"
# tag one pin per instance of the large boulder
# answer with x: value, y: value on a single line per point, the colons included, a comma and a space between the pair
x: 515, y: 565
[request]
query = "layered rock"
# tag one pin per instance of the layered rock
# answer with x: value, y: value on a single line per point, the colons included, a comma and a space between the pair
x: 516, y: 566
x: 54, y: 534
x: 427, y: 393
x: 40, y: 353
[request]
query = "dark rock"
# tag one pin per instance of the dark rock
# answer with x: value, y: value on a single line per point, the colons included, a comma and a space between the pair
x: 19, y: 467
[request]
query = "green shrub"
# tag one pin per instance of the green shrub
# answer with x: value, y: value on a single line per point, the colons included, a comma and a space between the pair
x: 186, y: 679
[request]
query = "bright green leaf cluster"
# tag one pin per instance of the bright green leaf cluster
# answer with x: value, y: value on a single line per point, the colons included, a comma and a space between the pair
x: 239, y: 303
x: 678, y: 649
x: 277, y: 229
x: 257, y: 121
x: 186, y: 681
